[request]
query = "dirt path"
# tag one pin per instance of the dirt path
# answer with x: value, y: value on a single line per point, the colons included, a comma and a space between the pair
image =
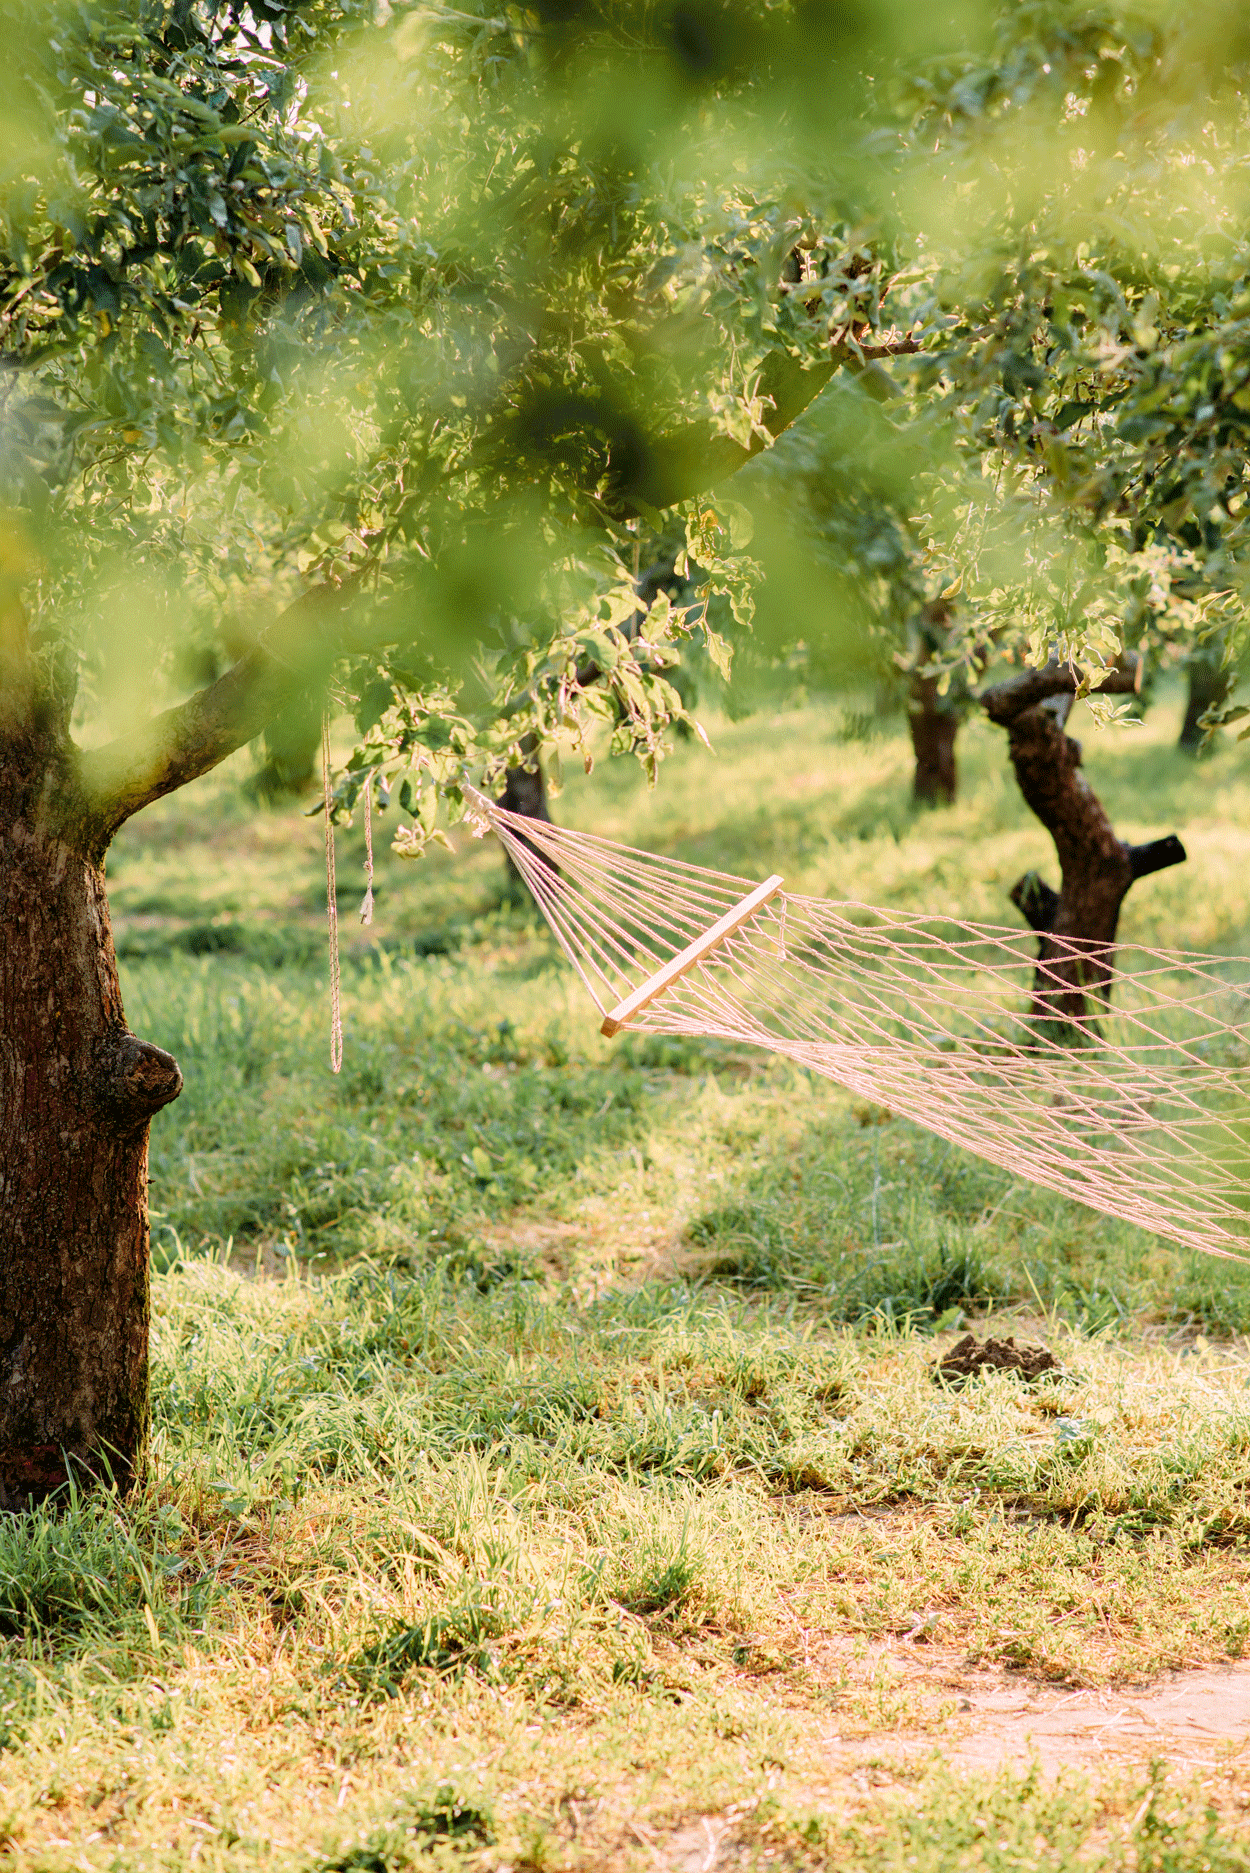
x: 1191, y: 1719
x: 1196, y: 1721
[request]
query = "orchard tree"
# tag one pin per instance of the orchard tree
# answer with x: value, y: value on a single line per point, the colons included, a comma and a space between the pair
x: 1059, y: 467
x: 352, y: 349
x: 1096, y: 364
x: 345, y: 345
x: 842, y: 491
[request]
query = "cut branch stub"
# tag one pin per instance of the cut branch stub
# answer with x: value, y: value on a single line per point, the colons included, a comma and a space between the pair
x: 1156, y: 856
x: 134, y: 1079
x: 1035, y: 900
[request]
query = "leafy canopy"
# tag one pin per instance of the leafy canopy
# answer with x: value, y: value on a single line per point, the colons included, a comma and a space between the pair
x: 1061, y: 465
x: 359, y: 341
x: 362, y: 345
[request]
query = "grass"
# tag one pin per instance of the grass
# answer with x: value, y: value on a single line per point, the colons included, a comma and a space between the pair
x: 547, y: 1452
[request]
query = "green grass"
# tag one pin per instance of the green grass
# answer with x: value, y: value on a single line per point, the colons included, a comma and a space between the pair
x: 546, y: 1447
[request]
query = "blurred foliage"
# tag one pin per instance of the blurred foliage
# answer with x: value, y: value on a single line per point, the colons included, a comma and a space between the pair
x: 1057, y: 465
x: 422, y: 309
x: 1095, y: 344
x: 433, y: 312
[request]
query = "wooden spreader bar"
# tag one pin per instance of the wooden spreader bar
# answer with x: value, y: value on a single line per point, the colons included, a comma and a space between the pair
x: 677, y: 966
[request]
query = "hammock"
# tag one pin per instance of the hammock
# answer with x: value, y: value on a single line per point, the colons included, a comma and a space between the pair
x: 1118, y: 1078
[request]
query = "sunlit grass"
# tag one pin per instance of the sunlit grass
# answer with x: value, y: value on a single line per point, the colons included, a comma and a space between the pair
x: 546, y: 1448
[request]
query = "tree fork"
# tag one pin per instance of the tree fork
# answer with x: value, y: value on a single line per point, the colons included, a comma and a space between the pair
x: 1077, y: 924
x: 77, y: 1089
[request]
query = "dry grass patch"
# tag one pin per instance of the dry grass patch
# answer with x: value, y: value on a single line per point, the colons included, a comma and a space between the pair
x: 554, y: 1570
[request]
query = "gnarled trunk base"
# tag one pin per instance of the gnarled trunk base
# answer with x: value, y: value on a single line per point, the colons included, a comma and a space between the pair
x: 1077, y: 924
x: 77, y: 1091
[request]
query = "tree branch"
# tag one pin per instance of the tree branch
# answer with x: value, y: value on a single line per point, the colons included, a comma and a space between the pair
x: 180, y: 744
x: 692, y: 461
x: 1005, y: 701
x: 905, y: 347
x: 1156, y: 856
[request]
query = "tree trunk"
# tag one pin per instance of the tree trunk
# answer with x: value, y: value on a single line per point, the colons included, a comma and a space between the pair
x: 933, y: 732
x: 1077, y: 924
x: 525, y: 792
x: 932, y: 717
x: 77, y: 1091
x: 1209, y: 684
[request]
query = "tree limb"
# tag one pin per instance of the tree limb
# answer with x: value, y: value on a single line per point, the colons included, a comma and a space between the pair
x: 1005, y: 701
x: 680, y: 466
x: 180, y: 744
x: 895, y: 348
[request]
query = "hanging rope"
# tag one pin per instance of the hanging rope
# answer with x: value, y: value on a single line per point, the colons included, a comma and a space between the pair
x: 366, y: 906
x: 1135, y: 1100
x: 332, y: 907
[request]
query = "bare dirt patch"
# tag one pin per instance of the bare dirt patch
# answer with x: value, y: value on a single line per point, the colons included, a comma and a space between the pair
x: 1194, y: 1724
x: 1191, y: 1720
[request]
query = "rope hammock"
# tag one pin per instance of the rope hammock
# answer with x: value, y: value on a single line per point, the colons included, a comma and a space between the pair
x: 1118, y: 1078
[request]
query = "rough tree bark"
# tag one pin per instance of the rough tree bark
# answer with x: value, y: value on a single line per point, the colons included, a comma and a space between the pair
x: 77, y: 1089
x: 1077, y: 924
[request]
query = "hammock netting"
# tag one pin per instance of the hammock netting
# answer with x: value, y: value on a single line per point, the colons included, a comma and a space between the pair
x: 1118, y: 1078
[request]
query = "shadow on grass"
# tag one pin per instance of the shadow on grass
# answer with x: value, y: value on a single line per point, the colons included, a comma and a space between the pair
x: 890, y: 1223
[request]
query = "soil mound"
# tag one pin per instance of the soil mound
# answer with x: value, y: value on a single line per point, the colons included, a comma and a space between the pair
x: 970, y: 1356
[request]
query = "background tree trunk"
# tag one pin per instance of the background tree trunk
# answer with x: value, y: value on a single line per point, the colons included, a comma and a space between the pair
x: 1209, y: 684
x: 525, y: 792
x: 1077, y: 924
x: 933, y: 717
x: 933, y: 732
x: 77, y: 1091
